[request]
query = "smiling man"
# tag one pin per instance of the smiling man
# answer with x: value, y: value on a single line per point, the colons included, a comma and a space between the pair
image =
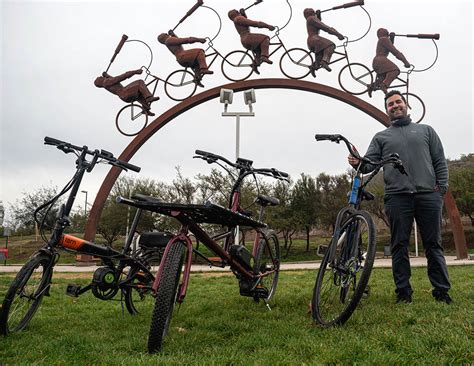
x: 418, y: 195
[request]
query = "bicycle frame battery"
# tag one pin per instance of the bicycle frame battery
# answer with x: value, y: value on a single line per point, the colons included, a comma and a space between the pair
x: 242, y: 256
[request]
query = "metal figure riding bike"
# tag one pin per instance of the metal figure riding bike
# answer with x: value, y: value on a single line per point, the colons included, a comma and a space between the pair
x: 124, y: 271
x: 347, y: 263
x: 357, y: 79
x: 256, y: 270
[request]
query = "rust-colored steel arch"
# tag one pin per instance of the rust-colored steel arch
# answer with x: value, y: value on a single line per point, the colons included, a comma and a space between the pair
x: 170, y: 114
x: 145, y: 134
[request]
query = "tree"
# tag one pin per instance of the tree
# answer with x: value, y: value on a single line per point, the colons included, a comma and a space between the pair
x: 23, y: 209
x: 461, y: 184
x: 305, y: 200
x: 376, y: 206
x: 282, y: 217
x: 333, y: 196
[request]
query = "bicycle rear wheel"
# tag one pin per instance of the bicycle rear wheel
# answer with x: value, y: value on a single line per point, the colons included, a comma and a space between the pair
x: 137, y: 291
x: 25, y: 294
x: 296, y: 63
x: 268, y: 260
x: 355, y: 78
x: 131, y: 119
x: 166, y: 296
x: 180, y: 85
x: 415, y: 107
x: 237, y: 65
x: 345, y: 271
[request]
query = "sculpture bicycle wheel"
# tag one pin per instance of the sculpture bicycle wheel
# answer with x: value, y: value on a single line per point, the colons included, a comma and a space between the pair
x: 355, y: 78
x: 296, y: 63
x: 237, y: 65
x: 131, y: 119
x: 415, y: 107
x: 180, y: 84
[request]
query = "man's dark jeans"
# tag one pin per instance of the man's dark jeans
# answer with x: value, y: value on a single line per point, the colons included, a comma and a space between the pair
x: 425, y: 208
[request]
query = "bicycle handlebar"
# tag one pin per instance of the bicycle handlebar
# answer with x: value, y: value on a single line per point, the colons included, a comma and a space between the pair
x: 392, y: 158
x: 67, y: 148
x: 420, y: 36
x: 242, y: 164
x: 349, y: 5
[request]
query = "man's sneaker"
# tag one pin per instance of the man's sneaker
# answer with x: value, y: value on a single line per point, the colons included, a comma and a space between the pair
x: 442, y: 296
x: 404, y: 295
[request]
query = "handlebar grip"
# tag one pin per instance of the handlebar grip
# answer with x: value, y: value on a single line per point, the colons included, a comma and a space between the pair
x: 424, y: 36
x: 119, y: 47
x: 320, y: 137
x: 52, y: 141
x: 129, y: 166
x: 204, y: 153
x: 348, y: 5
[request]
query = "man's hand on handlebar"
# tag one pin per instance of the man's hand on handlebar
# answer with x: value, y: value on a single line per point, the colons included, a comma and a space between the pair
x: 353, y: 161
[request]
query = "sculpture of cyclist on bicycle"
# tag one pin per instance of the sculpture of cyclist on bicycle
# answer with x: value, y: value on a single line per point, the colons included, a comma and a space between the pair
x: 194, y: 58
x: 386, y: 70
x: 136, y: 91
x: 256, y: 42
x: 319, y: 45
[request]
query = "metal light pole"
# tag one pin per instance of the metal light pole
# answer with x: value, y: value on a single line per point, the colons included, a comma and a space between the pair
x: 85, y: 203
x: 226, y: 97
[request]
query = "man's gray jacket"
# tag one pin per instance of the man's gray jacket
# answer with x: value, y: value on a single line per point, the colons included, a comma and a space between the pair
x: 421, y: 152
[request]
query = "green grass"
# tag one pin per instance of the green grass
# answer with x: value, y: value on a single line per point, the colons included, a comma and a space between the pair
x: 216, y: 326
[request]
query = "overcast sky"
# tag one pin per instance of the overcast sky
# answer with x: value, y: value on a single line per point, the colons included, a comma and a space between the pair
x: 52, y: 52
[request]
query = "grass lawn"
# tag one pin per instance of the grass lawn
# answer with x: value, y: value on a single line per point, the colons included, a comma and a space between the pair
x: 216, y: 326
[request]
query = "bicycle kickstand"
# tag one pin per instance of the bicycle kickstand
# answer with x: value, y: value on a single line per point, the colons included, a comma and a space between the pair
x: 268, y: 305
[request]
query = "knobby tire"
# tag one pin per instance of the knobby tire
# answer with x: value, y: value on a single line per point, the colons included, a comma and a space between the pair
x: 166, y: 296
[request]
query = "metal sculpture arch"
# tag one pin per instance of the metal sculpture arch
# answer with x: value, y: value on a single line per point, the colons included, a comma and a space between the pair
x: 145, y: 134
x: 169, y: 115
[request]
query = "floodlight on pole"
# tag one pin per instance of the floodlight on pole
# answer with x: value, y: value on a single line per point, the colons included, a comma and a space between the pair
x: 226, y: 97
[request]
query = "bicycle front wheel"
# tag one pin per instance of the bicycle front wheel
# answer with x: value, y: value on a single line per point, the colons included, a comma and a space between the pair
x: 180, y: 85
x: 355, y: 78
x: 25, y: 294
x: 296, y: 63
x: 237, y: 65
x: 131, y: 119
x: 415, y: 107
x: 267, y: 264
x: 345, y: 271
x: 166, y: 296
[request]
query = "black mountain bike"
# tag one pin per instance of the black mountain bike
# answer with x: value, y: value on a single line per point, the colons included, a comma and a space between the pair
x: 257, y: 269
x: 347, y: 263
x: 127, y: 271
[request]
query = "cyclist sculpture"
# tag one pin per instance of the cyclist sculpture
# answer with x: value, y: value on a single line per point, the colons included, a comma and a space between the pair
x: 258, y: 43
x: 194, y: 58
x: 136, y: 91
x: 386, y: 70
x: 317, y: 44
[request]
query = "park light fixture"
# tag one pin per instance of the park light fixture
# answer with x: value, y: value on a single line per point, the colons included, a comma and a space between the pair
x: 226, y: 98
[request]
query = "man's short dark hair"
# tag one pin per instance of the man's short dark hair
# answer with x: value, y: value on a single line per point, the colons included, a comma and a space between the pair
x: 390, y: 93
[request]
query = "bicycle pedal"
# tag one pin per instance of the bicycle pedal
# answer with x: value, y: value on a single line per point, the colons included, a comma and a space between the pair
x: 73, y: 290
x: 321, y: 250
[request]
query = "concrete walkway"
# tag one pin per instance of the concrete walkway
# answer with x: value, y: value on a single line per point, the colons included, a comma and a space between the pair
x: 379, y: 263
